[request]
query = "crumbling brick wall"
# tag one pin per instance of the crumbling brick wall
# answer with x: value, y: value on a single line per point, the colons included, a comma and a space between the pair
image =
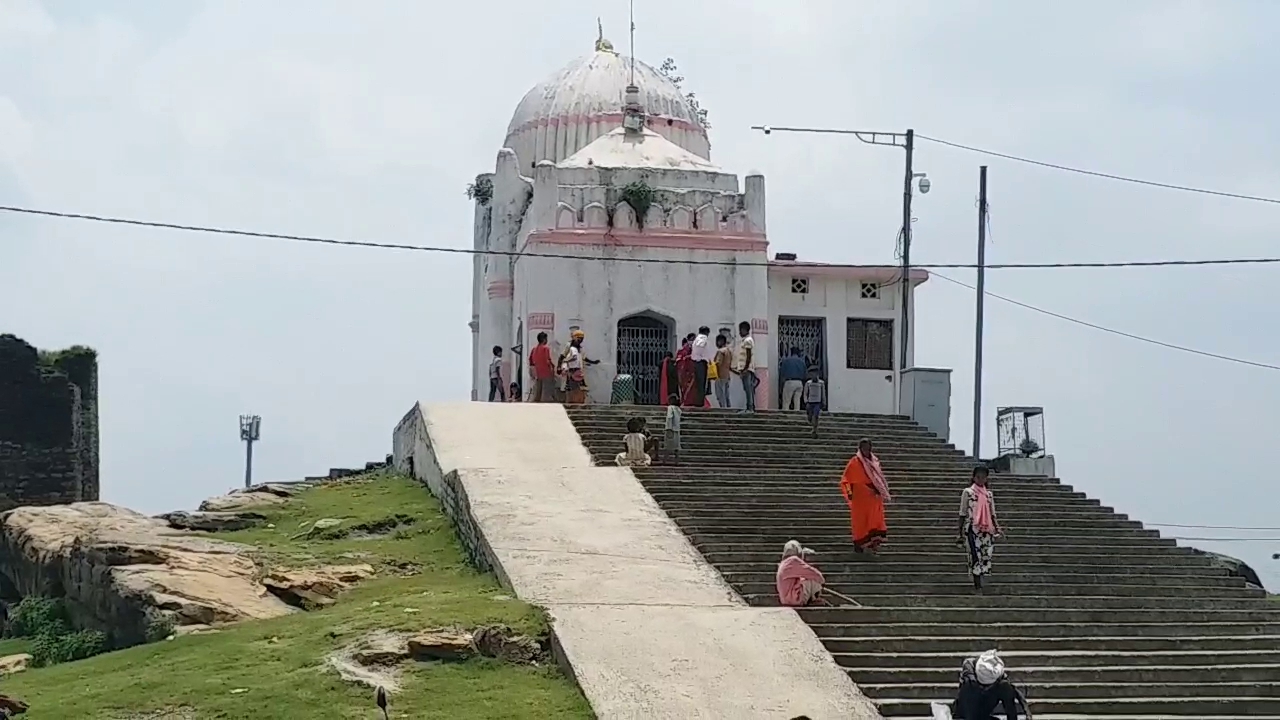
x: 48, y: 425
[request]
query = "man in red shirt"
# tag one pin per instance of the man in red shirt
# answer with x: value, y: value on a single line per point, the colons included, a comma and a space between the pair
x: 543, y: 371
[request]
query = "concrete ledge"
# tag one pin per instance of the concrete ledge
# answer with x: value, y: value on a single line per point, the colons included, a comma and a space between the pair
x: 643, y: 623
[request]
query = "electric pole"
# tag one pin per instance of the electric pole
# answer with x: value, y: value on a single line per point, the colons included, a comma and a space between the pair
x: 907, y: 141
x: 910, y: 146
x: 982, y: 294
x: 250, y: 432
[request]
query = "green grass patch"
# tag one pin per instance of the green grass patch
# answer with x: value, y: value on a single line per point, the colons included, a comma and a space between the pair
x: 275, y: 669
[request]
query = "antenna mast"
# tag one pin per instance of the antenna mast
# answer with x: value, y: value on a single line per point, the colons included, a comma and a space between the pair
x: 633, y: 42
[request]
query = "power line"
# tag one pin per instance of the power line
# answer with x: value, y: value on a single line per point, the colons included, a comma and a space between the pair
x: 467, y: 251
x: 1097, y: 174
x: 1121, y: 333
x: 321, y: 240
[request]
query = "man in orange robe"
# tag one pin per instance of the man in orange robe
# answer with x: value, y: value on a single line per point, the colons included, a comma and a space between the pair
x: 867, y: 493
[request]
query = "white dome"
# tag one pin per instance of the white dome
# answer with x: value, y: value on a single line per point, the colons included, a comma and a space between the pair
x: 584, y: 100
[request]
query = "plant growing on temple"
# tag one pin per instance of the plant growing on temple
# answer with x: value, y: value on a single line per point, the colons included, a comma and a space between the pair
x: 671, y: 72
x: 639, y: 196
x: 481, y: 191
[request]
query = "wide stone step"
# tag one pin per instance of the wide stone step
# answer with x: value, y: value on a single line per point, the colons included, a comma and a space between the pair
x: 1031, y: 675
x: 782, y: 503
x: 909, y: 490
x: 956, y: 573
x: 993, y: 601
x: 1015, y: 659
x: 833, y: 508
x: 1106, y: 707
x: 914, y: 523
x: 715, y: 476
x: 908, y: 538
x: 935, y: 693
x: 966, y: 612
x: 1178, y: 561
x: 1038, y: 630
x: 1012, y: 567
x: 978, y: 643
x: 1000, y: 588
x: 936, y: 551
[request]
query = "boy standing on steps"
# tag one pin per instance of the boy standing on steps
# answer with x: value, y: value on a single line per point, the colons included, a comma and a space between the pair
x: 495, y: 376
x: 815, y: 392
x: 671, y: 431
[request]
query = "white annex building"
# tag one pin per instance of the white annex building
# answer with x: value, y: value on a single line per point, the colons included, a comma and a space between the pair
x: 588, y: 172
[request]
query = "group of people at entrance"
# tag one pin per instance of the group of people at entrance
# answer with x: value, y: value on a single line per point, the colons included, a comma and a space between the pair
x: 702, y: 363
x: 563, y: 379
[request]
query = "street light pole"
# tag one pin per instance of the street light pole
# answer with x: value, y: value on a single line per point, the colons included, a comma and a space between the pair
x: 979, y: 304
x: 907, y: 141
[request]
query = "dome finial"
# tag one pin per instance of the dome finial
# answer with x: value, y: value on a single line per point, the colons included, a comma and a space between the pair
x: 602, y: 45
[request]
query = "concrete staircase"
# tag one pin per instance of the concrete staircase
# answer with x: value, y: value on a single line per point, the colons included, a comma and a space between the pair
x: 1096, y: 616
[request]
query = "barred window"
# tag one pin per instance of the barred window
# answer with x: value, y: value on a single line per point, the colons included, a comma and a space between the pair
x: 869, y: 344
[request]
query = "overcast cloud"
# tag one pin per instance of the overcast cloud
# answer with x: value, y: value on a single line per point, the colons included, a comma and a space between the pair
x: 366, y: 120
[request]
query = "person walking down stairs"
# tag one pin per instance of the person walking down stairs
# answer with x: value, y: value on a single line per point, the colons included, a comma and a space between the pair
x: 671, y: 430
x: 799, y: 583
x: 979, y: 526
x: 866, y: 492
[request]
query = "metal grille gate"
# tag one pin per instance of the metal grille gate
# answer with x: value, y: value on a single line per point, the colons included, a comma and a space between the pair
x: 808, y: 334
x: 642, y: 343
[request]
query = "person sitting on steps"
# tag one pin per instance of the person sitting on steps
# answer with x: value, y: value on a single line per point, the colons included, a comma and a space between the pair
x: 634, y: 454
x: 799, y: 583
x: 985, y: 688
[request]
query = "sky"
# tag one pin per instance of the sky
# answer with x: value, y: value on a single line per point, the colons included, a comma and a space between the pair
x: 366, y: 120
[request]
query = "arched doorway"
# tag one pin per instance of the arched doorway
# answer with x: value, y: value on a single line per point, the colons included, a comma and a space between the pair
x: 643, y: 340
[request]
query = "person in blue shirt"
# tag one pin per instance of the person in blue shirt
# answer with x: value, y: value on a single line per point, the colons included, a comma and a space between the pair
x: 791, y: 373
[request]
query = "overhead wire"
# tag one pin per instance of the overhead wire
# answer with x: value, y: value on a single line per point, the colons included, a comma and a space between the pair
x: 1098, y: 174
x: 1113, y: 331
x: 469, y: 251
x: 322, y: 240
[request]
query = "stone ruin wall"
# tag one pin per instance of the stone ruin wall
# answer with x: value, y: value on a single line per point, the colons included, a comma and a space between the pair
x: 48, y: 425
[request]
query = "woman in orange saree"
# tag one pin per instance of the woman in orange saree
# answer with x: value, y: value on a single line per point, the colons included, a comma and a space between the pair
x: 866, y: 492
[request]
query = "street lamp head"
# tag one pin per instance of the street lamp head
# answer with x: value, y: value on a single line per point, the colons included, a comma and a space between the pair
x: 925, y: 185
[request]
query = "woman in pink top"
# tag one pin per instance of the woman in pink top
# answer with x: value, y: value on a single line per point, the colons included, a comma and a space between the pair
x: 799, y: 583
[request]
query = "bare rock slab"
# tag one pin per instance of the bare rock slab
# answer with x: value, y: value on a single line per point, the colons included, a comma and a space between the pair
x: 118, y: 568
x: 213, y: 521
x: 242, y: 500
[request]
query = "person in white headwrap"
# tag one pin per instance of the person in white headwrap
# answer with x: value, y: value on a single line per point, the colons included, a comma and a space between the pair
x: 984, y: 688
x: 799, y: 583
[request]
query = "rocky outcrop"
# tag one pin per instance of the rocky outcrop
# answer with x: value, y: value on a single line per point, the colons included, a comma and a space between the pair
x: 316, y: 587
x: 1235, y: 566
x: 119, y: 570
x: 373, y: 660
x: 213, y: 521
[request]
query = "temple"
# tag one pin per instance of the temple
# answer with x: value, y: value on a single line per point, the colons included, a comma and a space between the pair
x: 605, y: 213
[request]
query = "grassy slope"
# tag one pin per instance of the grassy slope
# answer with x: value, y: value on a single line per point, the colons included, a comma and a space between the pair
x: 280, y: 661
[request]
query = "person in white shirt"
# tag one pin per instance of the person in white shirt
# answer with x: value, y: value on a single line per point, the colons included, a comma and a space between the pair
x: 704, y: 353
x: 744, y: 363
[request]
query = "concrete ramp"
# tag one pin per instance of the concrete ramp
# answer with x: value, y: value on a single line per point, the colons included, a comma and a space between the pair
x: 646, y: 626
